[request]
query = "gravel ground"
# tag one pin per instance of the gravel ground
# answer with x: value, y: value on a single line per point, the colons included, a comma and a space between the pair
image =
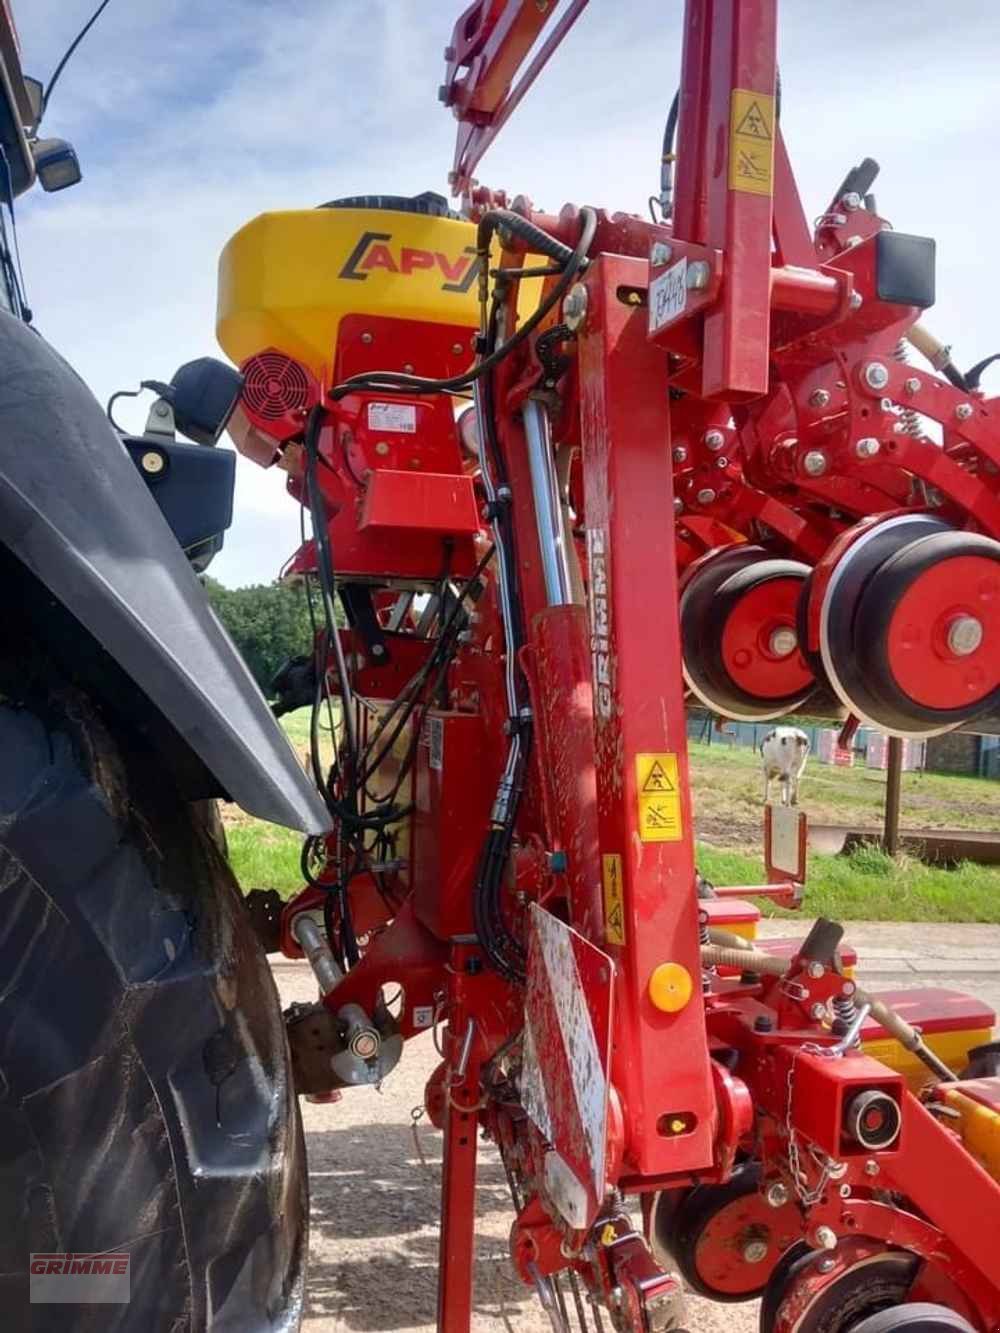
x: 375, y: 1196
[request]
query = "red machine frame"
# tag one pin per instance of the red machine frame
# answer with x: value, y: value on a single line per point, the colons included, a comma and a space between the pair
x: 729, y: 368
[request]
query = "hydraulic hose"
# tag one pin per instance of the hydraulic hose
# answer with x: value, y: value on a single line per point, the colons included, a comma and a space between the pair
x: 538, y: 241
x: 749, y: 960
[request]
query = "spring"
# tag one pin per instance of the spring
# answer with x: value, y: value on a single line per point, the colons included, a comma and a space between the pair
x: 844, y: 1013
x: 704, y: 938
x: 908, y: 417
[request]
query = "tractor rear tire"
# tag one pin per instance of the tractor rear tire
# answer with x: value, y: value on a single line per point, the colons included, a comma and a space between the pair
x: 146, y: 1102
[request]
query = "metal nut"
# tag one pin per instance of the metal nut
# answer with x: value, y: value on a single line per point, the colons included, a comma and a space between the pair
x: 698, y: 275
x: 783, y: 641
x: 815, y: 970
x: 678, y: 505
x: 680, y: 454
x: 660, y: 254
x: 871, y: 1168
x: 852, y: 201
x: 755, y: 1251
x: 825, y: 1238
x: 856, y: 301
x: 817, y: 1011
x: 819, y: 398
x: 867, y: 447
x: 777, y: 1194
x: 814, y: 463
x: 574, y: 307
x: 367, y: 338
x: 876, y: 376
x: 714, y: 439
x: 911, y: 385
x: 705, y: 496
x: 963, y: 411
x: 965, y: 634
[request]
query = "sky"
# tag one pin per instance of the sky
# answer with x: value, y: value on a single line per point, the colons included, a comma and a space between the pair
x: 192, y: 116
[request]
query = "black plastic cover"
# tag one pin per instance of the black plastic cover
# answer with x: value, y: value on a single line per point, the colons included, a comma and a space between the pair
x: 75, y: 511
x: 192, y: 485
x: 204, y: 395
x: 905, y: 268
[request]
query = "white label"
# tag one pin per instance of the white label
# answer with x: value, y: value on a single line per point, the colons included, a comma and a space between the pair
x: 435, y: 742
x: 667, y: 295
x: 393, y: 416
x: 600, y: 621
x: 423, y: 1015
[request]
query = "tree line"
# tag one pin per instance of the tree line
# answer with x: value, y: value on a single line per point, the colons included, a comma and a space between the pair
x: 268, y: 622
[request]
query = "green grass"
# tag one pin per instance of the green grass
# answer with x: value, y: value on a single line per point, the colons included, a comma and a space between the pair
x: 866, y: 885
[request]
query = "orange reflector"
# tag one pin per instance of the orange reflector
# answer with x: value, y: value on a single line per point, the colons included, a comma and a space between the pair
x: 670, y: 987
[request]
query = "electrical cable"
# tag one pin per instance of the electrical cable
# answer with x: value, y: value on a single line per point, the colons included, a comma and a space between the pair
x: 70, y: 50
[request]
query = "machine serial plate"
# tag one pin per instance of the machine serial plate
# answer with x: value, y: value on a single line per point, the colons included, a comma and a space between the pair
x: 668, y: 295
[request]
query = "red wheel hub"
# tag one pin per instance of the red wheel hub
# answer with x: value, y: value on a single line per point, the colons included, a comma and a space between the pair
x: 739, y: 1247
x: 759, y: 643
x: 944, y: 635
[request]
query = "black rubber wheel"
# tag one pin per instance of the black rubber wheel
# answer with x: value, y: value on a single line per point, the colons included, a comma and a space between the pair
x: 711, y: 595
x: 887, y: 585
x: 874, y: 1285
x: 791, y: 1262
x: 918, y: 1317
x: 145, y: 1095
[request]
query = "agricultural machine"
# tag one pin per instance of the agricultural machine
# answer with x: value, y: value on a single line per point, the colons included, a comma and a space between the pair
x: 567, y: 473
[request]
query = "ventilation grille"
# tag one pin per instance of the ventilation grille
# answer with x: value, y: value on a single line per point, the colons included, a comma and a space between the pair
x: 276, y: 386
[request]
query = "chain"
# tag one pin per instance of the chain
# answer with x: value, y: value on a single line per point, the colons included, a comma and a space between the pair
x: 800, y: 1177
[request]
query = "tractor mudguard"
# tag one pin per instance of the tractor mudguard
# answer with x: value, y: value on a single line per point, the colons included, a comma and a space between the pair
x: 76, y: 513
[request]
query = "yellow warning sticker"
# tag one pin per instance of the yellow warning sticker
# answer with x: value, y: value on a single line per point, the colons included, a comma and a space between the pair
x: 751, y: 142
x: 658, y: 793
x: 614, y: 905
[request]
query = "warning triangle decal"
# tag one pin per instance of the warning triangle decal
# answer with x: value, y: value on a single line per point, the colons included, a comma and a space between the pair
x: 657, y: 779
x: 753, y: 124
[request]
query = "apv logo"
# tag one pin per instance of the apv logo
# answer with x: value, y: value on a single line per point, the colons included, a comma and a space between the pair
x: 375, y: 251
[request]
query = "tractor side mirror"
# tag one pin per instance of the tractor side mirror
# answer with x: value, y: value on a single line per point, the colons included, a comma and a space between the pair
x: 56, y: 164
x: 203, y: 394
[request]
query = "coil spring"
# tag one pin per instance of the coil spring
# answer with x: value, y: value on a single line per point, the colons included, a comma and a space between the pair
x: 909, y: 418
x: 705, y: 938
x: 844, y: 1013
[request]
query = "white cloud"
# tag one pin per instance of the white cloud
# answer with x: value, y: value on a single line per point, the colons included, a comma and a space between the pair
x: 192, y: 118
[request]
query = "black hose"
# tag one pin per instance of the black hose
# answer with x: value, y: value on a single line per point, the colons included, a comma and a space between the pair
x: 667, y: 158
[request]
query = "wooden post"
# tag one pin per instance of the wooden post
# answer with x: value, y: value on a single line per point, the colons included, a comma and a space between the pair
x: 893, y: 788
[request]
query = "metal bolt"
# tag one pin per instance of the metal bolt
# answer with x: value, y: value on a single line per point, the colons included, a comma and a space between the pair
x: 783, y: 641
x: 848, y: 988
x: 814, y: 464
x: 777, y: 1194
x: 368, y: 337
x: 856, y: 301
x: 845, y: 1191
x: 162, y: 410
x: 408, y: 368
x: 817, y: 1011
x: 698, y: 275
x: 826, y: 1264
x: 678, y: 505
x: 965, y: 634
x: 382, y: 448
x: 680, y: 454
x: 871, y: 1168
x: 825, y: 1238
x: 378, y: 650
x: 868, y: 447
x: 963, y: 411
x: 754, y: 1251
x: 876, y: 376
x: 660, y: 254
x: 705, y: 496
x: 457, y: 348
x: 819, y: 398
x: 574, y: 307
x: 815, y: 970
x: 713, y: 439
x: 911, y: 385
x: 152, y: 462
x: 852, y: 201
x: 722, y: 462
